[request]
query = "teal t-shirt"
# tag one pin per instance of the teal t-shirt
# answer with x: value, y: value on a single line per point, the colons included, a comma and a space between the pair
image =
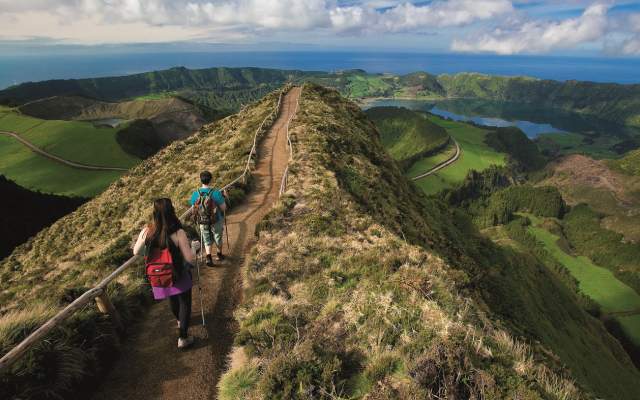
x: 216, y: 196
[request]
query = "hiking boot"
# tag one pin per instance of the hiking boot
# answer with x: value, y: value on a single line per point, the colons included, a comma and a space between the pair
x: 209, y: 261
x: 183, y: 343
x: 219, y: 256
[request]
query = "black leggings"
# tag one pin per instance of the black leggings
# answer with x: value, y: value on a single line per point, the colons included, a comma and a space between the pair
x: 181, y: 308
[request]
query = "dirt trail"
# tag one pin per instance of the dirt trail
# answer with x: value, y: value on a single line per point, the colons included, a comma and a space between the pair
x: 150, y: 366
x: 53, y: 157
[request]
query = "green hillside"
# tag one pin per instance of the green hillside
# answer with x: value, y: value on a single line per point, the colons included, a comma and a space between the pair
x: 80, y: 142
x: 596, y: 263
x: 596, y: 282
x: 226, y: 88
x: 610, y: 101
x: 353, y: 309
x: 358, y: 286
x: 217, y: 88
x: 407, y: 135
x: 523, y: 153
x: 38, y: 173
x: 104, y: 227
x: 476, y: 155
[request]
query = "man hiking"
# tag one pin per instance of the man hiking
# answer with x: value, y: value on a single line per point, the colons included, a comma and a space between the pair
x: 208, y: 209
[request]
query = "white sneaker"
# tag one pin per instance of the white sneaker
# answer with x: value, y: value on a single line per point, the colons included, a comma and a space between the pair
x: 178, y: 324
x: 185, y: 342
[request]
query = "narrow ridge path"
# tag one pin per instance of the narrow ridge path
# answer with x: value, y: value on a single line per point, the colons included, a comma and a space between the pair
x: 61, y: 160
x: 150, y: 366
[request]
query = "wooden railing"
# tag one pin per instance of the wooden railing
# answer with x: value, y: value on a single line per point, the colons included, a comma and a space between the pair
x: 285, y: 175
x: 98, y: 292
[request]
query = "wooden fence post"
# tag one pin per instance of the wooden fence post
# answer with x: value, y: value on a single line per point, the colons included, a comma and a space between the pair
x: 106, y: 307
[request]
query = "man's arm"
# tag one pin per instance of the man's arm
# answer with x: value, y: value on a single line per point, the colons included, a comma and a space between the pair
x: 221, y: 201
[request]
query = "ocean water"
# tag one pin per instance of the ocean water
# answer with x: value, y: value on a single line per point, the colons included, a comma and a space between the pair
x: 18, y: 69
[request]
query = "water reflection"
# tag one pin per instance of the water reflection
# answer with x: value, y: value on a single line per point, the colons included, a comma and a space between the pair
x: 533, y: 120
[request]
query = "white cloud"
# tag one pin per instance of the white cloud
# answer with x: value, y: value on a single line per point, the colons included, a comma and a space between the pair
x: 407, y: 17
x: 540, y: 36
x: 69, y: 19
x: 631, y: 46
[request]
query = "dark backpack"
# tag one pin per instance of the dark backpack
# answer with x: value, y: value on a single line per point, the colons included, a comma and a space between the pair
x: 163, y: 267
x: 205, y: 208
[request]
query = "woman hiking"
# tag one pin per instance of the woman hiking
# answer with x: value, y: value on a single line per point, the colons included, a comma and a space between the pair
x: 168, y: 260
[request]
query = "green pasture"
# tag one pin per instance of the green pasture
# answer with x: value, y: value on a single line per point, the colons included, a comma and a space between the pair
x: 77, y: 141
x: 476, y: 155
x: 596, y: 282
x: 81, y: 142
x: 38, y: 173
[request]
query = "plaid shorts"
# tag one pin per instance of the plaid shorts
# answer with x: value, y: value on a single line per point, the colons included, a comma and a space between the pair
x: 213, y: 233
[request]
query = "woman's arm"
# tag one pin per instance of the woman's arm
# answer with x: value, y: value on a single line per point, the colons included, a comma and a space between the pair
x: 137, y: 248
x: 185, y: 247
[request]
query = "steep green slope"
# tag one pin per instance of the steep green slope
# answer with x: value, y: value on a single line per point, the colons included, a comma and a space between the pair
x: 523, y: 153
x: 605, y: 247
x: 407, y: 135
x: 83, y: 247
x: 339, y: 304
x: 30, y: 211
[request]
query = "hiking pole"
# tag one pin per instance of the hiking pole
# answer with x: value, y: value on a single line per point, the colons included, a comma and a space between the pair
x: 199, y: 278
x: 226, y: 231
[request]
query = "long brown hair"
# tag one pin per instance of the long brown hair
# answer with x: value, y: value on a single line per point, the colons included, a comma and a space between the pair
x: 165, y: 223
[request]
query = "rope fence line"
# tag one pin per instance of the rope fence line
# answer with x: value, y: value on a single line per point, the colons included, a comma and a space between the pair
x: 285, y: 174
x: 98, y: 292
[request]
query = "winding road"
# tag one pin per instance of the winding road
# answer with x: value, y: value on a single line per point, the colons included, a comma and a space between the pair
x: 442, y: 165
x: 61, y: 160
x: 150, y: 366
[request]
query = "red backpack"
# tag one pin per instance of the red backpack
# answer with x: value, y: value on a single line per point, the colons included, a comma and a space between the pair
x: 159, y: 267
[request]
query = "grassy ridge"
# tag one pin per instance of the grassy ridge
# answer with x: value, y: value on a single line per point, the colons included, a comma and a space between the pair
x: 338, y: 304
x: 407, y: 134
x: 81, y: 248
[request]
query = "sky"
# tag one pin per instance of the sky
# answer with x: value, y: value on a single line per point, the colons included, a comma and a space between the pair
x: 604, y: 28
